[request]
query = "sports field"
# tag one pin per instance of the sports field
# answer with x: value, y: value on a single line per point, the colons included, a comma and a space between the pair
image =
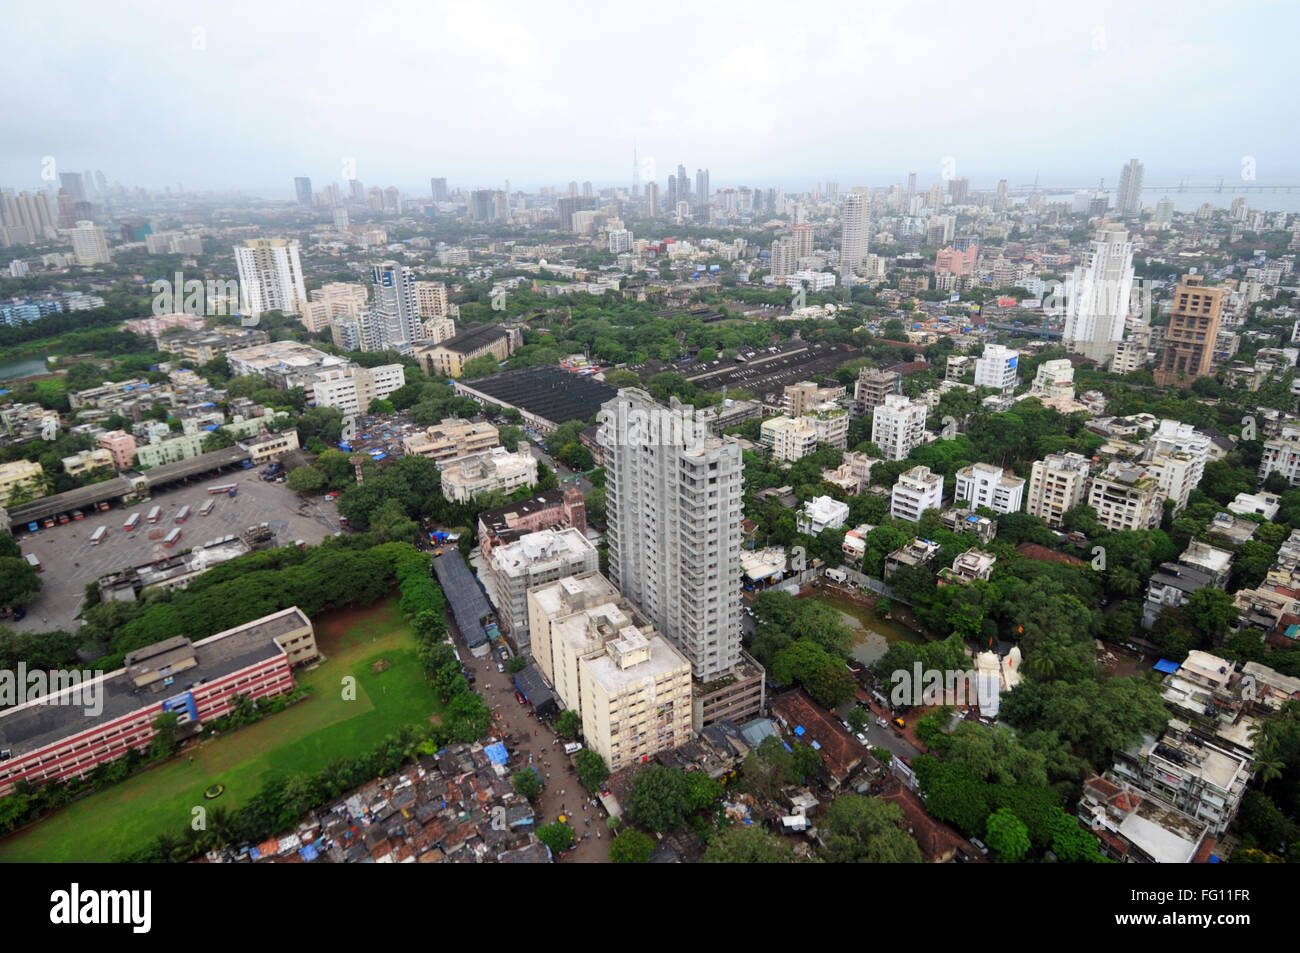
x: 303, y: 738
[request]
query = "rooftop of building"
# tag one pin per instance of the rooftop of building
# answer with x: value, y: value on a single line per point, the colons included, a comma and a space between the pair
x: 811, y: 723
x: 28, y: 727
x: 542, y: 548
x: 547, y: 392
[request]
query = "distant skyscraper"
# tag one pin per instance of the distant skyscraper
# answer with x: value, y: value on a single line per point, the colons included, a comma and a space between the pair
x: 853, y: 233
x: 90, y: 244
x: 302, y: 186
x: 652, y: 198
x: 783, y: 256
x: 270, y: 276
x: 1129, y: 200
x: 72, y: 181
x: 911, y: 185
x: 357, y: 191
x: 587, y: 190
x: 1098, y: 296
x: 701, y: 188
x: 395, y: 313
x: 636, y: 173
x: 439, y: 187
x: 480, y: 205
x: 1164, y: 212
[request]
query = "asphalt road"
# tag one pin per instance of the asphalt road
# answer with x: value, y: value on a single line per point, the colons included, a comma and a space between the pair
x: 567, y: 476
x: 537, y: 745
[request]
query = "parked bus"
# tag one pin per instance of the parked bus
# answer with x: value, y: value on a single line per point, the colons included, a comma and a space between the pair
x: 171, y: 538
x: 132, y: 522
x: 64, y: 518
x: 184, y: 514
x: 33, y: 561
x: 207, y: 507
x: 98, y: 535
x: 221, y: 488
x: 154, y: 514
x: 102, y: 505
x: 78, y: 515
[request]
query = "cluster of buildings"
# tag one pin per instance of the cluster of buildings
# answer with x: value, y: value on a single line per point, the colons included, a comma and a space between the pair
x: 1171, y: 798
x: 457, y: 806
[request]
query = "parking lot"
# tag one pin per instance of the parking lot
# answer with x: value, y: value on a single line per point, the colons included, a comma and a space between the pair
x: 69, y: 561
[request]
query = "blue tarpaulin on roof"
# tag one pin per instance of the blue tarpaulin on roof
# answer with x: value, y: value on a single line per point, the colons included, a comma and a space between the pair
x: 496, y: 753
x: 798, y: 730
x: 210, y: 427
x: 1166, y: 666
x: 308, y: 852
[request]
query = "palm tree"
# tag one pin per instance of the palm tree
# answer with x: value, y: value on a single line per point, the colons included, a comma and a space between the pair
x: 1125, y: 581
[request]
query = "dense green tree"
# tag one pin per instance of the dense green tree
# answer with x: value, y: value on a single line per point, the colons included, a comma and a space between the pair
x: 527, y: 784
x: 659, y: 799
x: 558, y: 837
x: 631, y: 847
x: 1007, y: 835
x: 865, y: 830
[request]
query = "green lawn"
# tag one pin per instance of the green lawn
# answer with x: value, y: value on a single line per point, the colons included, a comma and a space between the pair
x: 303, y: 738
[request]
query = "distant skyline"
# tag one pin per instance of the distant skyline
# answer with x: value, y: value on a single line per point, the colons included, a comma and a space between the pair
x: 763, y: 94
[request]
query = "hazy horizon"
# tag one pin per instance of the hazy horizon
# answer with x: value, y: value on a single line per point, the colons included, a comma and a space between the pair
x: 481, y: 93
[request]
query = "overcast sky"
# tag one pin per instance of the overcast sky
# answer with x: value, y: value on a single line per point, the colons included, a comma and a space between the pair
x: 249, y: 94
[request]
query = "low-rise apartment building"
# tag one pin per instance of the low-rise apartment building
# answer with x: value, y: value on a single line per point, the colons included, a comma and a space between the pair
x: 1126, y: 497
x: 983, y: 484
x: 916, y: 491
x: 495, y: 469
x: 630, y: 685
x: 451, y: 438
x: 533, y: 560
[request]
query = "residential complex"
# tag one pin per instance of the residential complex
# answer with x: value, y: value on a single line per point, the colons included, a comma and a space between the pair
x: 898, y: 426
x: 1097, y: 297
x: 996, y: 368
x: 352, y: 389
x: 631, y: 685
x: 673, y: 494
x: 270, y: 276
x: 532, y: 560
x: 1057, y: 484
x: 496, y: 469
x: 916, y: 491
x: 982, y: 484
x: 1126, y: 497
x: 1193, y: 328
x: 451, y: 438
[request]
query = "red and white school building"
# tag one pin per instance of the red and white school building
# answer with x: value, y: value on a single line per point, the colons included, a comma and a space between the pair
x: 68, y: 733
